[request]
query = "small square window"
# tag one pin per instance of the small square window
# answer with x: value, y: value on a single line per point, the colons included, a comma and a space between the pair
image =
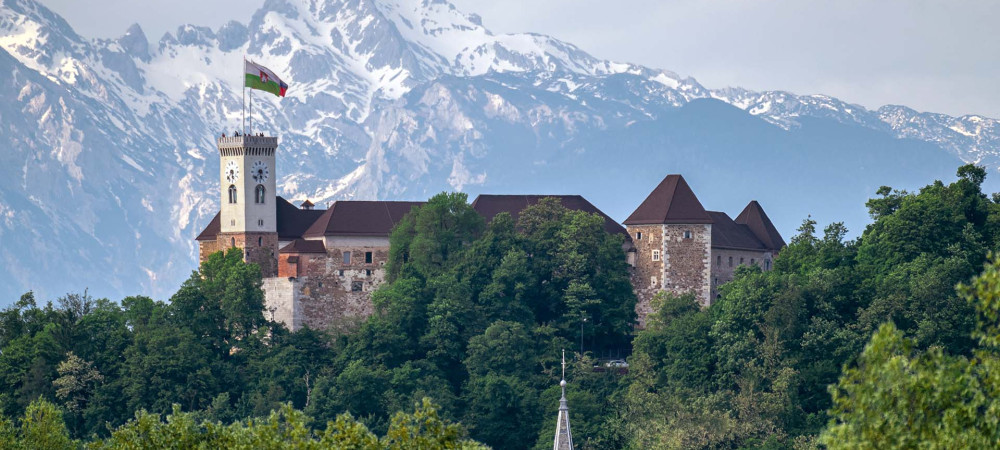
x: 687, y: 234
x: 638, y: 235
x: 368, y: 257
x: 656, y: 255
x: 340, y: 272
x: 347, y: 258
x: 368, y: 272
x: 357, y: 286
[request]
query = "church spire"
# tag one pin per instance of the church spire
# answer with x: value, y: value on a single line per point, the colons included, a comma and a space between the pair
x: 563, y: 439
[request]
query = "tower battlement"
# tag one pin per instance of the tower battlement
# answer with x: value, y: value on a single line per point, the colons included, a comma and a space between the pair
x: 249, y: 145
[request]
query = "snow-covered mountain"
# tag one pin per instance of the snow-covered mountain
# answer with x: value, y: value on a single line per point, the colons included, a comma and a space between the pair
x: 110, y: 170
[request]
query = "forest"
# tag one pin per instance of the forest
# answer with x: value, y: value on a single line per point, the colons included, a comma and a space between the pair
x: 888, y: 340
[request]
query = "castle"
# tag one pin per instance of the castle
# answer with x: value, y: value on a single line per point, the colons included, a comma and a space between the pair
x: 320, y: 266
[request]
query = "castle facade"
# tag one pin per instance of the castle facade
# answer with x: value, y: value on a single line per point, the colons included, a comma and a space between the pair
x: 320, y: 266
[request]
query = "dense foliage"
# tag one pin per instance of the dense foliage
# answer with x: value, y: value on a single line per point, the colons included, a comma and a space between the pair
x: 473, y: 316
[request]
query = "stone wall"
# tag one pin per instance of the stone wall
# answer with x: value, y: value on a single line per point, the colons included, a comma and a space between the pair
x: 725, y: 261
x: 647, y: 274
x: 259, y: 248
x: 280, y: 303
x: 682, y: 267
x: 330, y: 293
x: 686, y: 250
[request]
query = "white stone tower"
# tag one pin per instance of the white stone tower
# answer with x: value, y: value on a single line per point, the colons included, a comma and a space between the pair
x: 248, y: 218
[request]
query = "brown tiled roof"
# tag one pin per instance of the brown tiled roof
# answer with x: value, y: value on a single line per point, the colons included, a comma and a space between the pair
x: 212, y: 230
x: 359, y: 218
x: 671, y: 202
x: 304, y: 246
x: 728, y: 234
x: 292, y: 222
x: 489, y: 206
x: 306, y: 204
x: 753, y: 217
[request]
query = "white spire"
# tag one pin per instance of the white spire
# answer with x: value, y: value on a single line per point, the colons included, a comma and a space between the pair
x: 564, y: 438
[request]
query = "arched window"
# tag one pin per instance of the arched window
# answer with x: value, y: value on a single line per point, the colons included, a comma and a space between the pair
x: 260, y: 242
x: 259, y: 194
x: 232, y: 242
x: 232, y: 193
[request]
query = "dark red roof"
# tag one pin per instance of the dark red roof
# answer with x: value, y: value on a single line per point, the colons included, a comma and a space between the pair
x: 304, y: 246
x: 359, y: 218
x: 292, y: 221
x: 212, y: 230
x: 753, y: 217
x: 728, y: 234
x: 672, y: 201
x: 489, y: 206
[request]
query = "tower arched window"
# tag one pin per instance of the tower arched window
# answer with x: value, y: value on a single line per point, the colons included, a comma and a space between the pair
x: 232, y: 193
x: 259, y: 194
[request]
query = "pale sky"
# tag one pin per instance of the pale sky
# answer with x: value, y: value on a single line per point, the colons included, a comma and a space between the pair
x: 931, y: 55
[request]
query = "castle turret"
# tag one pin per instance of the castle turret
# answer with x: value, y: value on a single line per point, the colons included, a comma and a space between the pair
x: 248, y: 217
x: 672, y: 234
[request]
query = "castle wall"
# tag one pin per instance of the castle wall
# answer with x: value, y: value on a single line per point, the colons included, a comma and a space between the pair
x: 332, y: 294
x: 281, y: 298
x: 725, y: 261
x: 681, y: 264
x: 259, y: 248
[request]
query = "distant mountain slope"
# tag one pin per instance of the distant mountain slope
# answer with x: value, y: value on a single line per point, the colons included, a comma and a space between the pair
x: 110, y: 171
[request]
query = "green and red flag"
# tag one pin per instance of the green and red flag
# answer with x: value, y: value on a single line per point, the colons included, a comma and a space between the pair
x: 261, y: 78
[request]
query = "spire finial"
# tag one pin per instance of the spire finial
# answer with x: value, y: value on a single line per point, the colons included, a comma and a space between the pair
x: 563, y: 439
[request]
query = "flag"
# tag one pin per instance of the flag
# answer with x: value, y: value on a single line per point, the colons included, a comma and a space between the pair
x: 261, y: 78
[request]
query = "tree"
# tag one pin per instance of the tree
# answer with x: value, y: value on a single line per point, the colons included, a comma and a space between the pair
x: 78, y: 379
x: 897, y: 397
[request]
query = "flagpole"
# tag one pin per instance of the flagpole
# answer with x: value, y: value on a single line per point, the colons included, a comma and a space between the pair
x: 251, y: 105
x: 243, y: 109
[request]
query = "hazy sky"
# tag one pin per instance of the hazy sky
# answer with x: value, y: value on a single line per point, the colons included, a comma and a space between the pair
x: 939, y: 55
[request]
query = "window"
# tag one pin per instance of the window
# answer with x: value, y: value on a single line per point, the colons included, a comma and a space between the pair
x: 741, y: 260
x: 368, y: 257
x: 730, y: 261
x: 340, y: 272
x: 687, y: 234
x: 638, y: 235
x: 260, y: 241
x: 259, y: 194
x: 232, y: 242
x: 347, y: 257
x: 718, y: 260
x: 232, y: 193
x: 767, y: 264
x: 260, y: 222
x: 752, y: 261
x: 357, y: 286
x: 368, y: 272
x: 656, y: 255
x: 716, y: 281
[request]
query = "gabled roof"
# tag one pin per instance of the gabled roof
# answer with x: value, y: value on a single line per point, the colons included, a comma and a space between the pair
x: 672, y: 202
x: 753, y: 217
x: 304, y: 246
x: 728, y: 234
x: 359, y: 218
x: 212, y: 230
x: 489, y: 206
x: 292, y: 221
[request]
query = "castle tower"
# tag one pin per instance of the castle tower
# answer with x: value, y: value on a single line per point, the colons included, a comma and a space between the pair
x: 564, y: 438
x: 672, y: 234
x: 248, y: 217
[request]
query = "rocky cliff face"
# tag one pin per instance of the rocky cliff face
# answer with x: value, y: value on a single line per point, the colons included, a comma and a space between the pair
x: 110, y: 169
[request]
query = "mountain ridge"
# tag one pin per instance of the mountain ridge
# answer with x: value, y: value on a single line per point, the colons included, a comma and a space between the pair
x: 388, y: 99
